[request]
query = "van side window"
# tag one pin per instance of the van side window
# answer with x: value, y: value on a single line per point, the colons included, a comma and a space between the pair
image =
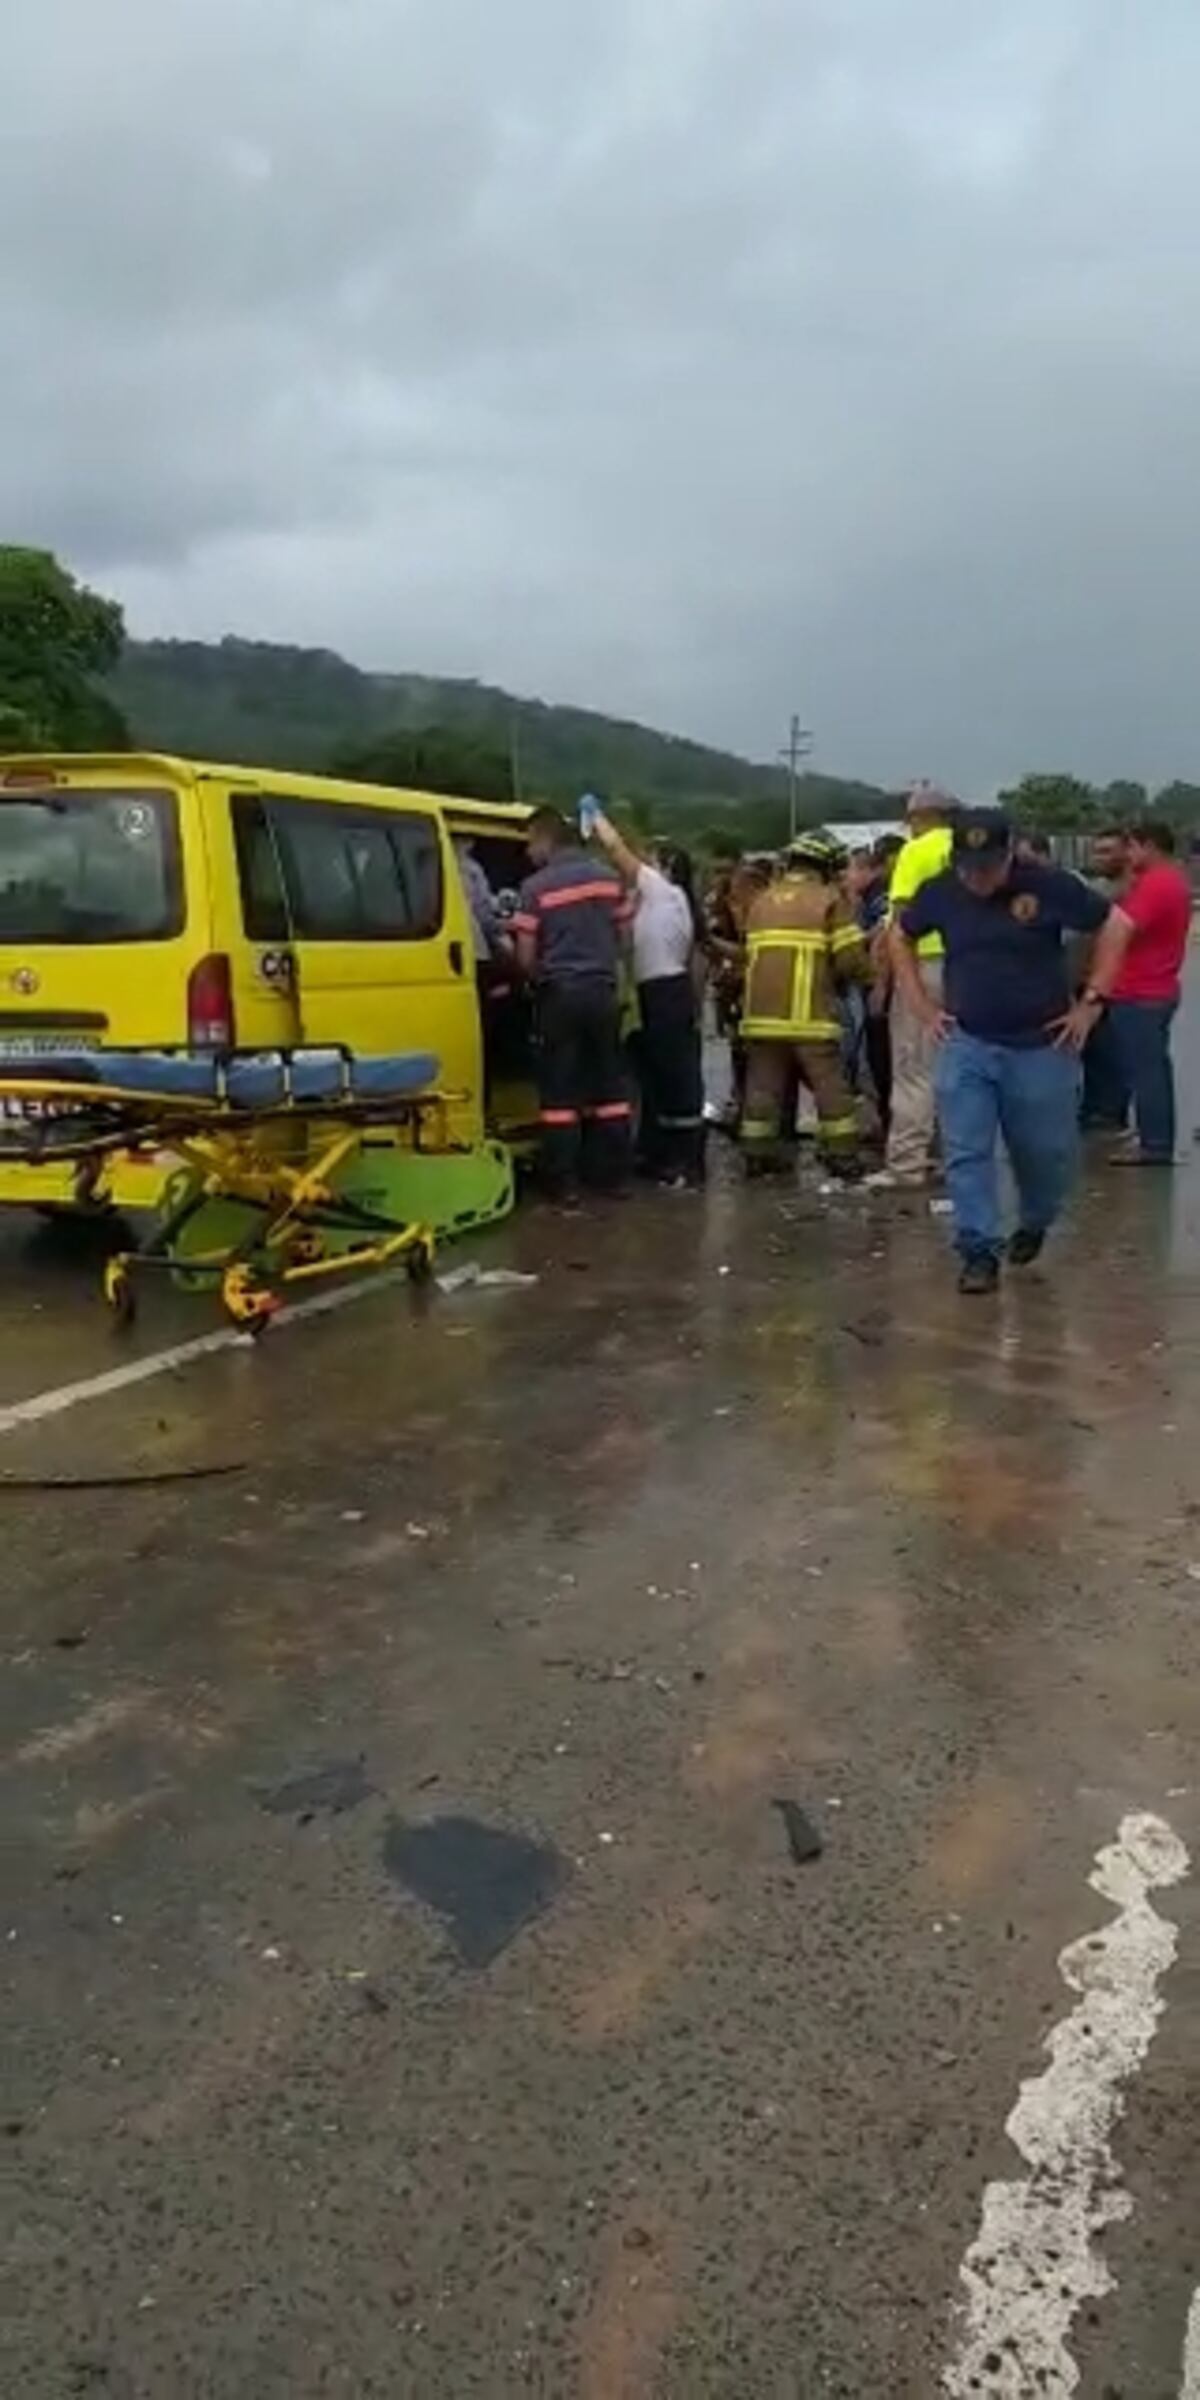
x: 316, y: 871
x: 260, y: 874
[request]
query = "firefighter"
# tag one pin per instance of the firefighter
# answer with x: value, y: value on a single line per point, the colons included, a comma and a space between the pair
x: 802, y: 946
x: 572, y: 931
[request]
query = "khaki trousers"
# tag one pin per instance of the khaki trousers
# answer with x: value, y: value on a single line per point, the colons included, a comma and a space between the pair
x: 910, y: 1140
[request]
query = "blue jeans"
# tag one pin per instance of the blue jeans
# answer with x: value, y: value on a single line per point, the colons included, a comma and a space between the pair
x: 1031, y: 1098
x: 1142, y: 1035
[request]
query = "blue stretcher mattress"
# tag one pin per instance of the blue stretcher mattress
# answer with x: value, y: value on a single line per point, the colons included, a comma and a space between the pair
x: 264, y: 1080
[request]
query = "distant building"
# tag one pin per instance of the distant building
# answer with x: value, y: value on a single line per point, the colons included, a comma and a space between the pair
x: 865, y: 832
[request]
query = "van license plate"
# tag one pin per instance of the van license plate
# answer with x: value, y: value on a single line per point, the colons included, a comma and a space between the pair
x: 45, y: 1045
x: 35, y: 1112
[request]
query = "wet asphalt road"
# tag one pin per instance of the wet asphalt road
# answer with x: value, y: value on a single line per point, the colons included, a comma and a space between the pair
x: 739, y: 1502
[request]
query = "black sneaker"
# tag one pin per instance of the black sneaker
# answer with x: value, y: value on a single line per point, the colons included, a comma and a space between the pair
x: 1025, y: 1246
x: 980, y: 1275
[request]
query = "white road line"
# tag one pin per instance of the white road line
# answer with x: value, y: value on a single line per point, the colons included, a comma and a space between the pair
x: 1189, y: 2389
x: 1034, y: 2261
x: 63, y: 1396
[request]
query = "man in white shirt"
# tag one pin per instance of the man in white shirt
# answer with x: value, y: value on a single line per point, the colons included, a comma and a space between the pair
x: 667, y: 1044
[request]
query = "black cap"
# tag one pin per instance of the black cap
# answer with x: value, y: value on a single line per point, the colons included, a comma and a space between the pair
x: 981, y: 833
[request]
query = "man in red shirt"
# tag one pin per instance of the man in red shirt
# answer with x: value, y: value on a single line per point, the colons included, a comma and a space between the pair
x: 1156, y: 908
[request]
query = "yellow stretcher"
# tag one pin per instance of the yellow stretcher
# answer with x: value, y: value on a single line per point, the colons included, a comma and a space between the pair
x: 249, y: 1211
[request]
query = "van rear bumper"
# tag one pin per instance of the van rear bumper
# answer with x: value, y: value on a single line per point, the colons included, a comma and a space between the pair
x: 128, y: 1183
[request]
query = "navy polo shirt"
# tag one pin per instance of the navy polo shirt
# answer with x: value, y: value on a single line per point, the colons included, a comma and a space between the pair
x: 1006, y: 969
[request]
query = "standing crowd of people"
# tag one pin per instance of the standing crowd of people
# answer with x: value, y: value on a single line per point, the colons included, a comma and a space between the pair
x: 943, y: 995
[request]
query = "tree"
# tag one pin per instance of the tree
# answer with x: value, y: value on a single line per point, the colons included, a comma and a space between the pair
x: 18, y: 730
x: 1179, y: 803
x: 55, y: 636
x: 1122, y: 801
x: 433, y: 758
x: 722, y: 842
x: 637, y: 812
x: 1051, y: 803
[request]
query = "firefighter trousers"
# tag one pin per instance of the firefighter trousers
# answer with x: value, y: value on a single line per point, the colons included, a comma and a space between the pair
x: 586, y: 1115
x: 770, y: 1066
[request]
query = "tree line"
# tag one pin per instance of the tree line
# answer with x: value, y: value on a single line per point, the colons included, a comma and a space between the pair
x: 70, y: 681
x: 1065, y: 804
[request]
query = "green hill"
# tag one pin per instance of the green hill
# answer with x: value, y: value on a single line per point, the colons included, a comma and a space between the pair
x: 267, y: 704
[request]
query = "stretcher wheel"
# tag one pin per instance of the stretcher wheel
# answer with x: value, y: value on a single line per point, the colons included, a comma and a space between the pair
x: 119, y: 1293
x: 419, y: 1261
x: 251, y: 1305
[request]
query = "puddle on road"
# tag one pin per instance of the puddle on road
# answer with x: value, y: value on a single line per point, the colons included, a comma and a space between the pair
x: 485, y: 1883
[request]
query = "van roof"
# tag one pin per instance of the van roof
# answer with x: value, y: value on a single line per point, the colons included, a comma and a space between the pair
x: 15, y: 764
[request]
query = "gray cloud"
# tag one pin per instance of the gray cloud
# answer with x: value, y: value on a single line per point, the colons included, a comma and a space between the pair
x: 695, y: 358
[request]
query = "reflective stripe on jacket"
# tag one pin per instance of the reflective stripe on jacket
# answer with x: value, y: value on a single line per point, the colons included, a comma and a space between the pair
x: 801, y: 943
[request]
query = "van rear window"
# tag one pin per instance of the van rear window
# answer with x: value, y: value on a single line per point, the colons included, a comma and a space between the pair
x: 318, y: 871
x: 82, y: 866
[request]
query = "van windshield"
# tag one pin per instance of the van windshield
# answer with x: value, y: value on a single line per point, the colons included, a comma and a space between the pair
x: 89, y: 866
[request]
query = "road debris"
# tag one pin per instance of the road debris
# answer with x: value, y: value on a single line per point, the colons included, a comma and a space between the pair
x: 804, y: 1840
x: 588, y: 1670
x: 331, y: 1790
x: 471, y: 1277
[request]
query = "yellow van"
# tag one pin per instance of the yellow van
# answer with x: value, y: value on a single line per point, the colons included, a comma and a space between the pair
x: 151, y: 902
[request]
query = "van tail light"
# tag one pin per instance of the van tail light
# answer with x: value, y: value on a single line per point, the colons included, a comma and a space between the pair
x: 210, y: 1004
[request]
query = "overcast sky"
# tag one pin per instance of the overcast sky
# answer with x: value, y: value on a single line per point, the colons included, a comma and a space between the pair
x: 695, y: 359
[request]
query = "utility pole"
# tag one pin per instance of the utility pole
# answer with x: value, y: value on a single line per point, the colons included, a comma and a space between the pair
x: 800, y: 742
